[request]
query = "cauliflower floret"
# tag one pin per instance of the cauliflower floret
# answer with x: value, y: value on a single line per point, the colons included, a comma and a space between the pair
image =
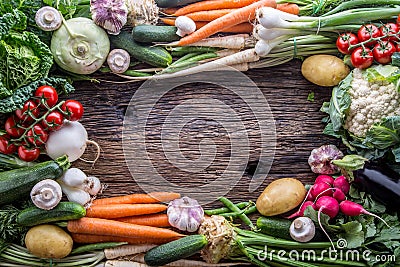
x: 370, y: 102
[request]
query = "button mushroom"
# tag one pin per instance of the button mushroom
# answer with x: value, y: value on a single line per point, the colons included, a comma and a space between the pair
x: 185, y: 26
x: 109, y: 14
x: 48, y: 18
x: 302, y: 229
x: 118, y: 60
x: 46, y: 194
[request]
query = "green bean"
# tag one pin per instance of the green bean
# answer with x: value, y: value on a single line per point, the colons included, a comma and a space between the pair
x: 234, y: 208
x: 134, y: 73
x: 96, y: 246
x: 246, y: 211
x: 218, y: 211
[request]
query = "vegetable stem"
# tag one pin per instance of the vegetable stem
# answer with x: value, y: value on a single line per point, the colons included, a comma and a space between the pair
x: 235, y: 209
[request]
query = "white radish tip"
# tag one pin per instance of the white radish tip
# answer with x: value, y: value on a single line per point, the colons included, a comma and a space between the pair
x: 97, y: 154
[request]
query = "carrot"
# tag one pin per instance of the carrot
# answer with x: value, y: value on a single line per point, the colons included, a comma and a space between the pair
x: 213, y: 5
x: 112, y: 211
x: 157, y: 220
x: 96, y: 226
x: 208, y: 15
x: 244, y: 27
x: 169, y: 10
x: 289, y: 8
x: 153, y: 197
x: 238, y: 16
x: 91, y: 239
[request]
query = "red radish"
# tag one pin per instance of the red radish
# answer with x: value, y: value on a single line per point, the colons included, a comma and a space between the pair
x: 300, y: 212
x: 309, y: 196
x: 342, y: 183
x: 350, y: 208
x: 338, y: 195
x: 324, y: 178
x: 321, y: 189
x: 329, y: 206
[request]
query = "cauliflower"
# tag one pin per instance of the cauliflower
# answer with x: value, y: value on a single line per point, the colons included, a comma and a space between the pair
x: 370, y: 103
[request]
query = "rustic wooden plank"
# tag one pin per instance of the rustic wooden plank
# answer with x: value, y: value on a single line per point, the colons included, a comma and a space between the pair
x: 297, y: 121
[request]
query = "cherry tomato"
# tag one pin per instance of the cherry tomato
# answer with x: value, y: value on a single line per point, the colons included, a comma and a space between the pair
x: 362, y: 58
x: 28, y: 154
x: 344, y: 41
x: 398, y: 20
x: 397, y: 47
x: 74, y: 109
x: 383, y: 52
x: 37, y: 135
x: 5, y: 146
x: 367, y: 32
x: 389, y: 29
x: 29, y: 109
x: 12, y: 127
x: 53, y: 121
x: 47, y: 94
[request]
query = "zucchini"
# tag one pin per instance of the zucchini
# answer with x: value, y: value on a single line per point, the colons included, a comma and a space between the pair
x: 152, y: 33
x: 153, y: 55
x: 16, y: 184
x: 276, y: 227
x: 62, y: 212
x: 175, y: 250
x: 9, y: 162
x: 174, y: 3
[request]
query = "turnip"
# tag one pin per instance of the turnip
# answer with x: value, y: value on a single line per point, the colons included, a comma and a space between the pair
x: 324, y: 178
x: 342, y: 183
x: 321, y: 189
x: 338, y: 195
x: 70, y: 140
x: 350, y: 208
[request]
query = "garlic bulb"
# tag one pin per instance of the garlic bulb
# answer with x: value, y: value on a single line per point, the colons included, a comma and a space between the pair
x: 109, y: 14
x: 321, y: 158
x: 185, y: 213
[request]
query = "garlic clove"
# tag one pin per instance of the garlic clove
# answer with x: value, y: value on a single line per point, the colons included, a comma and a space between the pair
x: 48, y: 18
x: 46, y: 194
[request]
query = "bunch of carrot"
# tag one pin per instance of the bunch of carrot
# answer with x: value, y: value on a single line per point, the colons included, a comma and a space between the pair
x: 134, y: 218
x: 213, y: 16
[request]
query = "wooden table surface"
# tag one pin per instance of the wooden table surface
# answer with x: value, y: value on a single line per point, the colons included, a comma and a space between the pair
x: 297, y: 121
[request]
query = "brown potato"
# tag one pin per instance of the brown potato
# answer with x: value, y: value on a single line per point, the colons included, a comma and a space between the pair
x: 281, y: 196
x: 48, y: 242
x: 324, y: 70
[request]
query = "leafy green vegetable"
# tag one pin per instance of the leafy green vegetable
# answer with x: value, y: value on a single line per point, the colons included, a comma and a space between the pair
x: 22, y: 94
x: 15, y: 20
x: 66, y: 7
x: 10, y: 231
x: 311, y: 97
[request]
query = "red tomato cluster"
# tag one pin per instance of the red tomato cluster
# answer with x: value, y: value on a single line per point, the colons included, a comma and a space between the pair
x: 29, y: 127
x: 371, y: 43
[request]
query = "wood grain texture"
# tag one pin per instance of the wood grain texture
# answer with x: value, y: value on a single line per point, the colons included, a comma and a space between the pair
x: 297, y: 121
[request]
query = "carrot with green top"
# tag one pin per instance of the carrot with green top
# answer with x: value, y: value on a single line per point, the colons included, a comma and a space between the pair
x: 157, y: 220
x: 244, y: 14
x: 213, y: 5
x: 96, y: 226
x: 112, y: 211
x: 153, y: 197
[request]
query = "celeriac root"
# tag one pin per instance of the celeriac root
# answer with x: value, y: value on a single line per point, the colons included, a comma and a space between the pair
x: 142, y: 12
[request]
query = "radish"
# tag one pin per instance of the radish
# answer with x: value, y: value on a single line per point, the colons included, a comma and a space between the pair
x: 300, y: 212
x: 338, y: 195
x: 329, y: 206
x: 342, y: 183
x: 324, y: 178
x: 321, y: 189
x: 350, y: 208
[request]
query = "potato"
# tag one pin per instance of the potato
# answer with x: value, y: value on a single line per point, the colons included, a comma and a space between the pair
x: 281, y: 196
x: 48, y: 241
x: 324, y: 70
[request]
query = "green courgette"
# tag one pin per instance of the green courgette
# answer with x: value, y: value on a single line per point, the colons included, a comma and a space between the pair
x: 174, y: 3
x: 153, y: 33
x: 153, y: 55
x: 17, y: 184
x: 175, y: 250
x: 62, y: 212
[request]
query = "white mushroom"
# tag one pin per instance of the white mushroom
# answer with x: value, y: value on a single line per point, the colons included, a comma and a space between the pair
x: 185, y: 26
x: 118, y: 60
x: 48, y: 18
x: 302, y: 229
x: 46, y: 194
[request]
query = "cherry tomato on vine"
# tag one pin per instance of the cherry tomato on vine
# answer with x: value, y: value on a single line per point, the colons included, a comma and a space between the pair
x: 6, y: 147
x: 29, y: 109
x: 389, y: 29
x: 74, y: 109
x: 362, y: 58
x: 47, y: 94
x: 53, y: 121
x: 383, y: 52
x: 12, y: 127
x: 37, y: 135
x: 367, y: 32
x: 28, y: 154
x: 344, y: 41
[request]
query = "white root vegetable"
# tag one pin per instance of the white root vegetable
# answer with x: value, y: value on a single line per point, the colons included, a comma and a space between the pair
x: 76, y: 195
x: 92, y: 185
x: 273, y: 18
x: 116, y: 263
x: 142, y: 12
x: 126, y: 250
x: 238, y: 42
x: 184, y: 25
x: 263, y: 48
x: 70, y: 140
x: 73, y: 177
x: 262, y: 33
